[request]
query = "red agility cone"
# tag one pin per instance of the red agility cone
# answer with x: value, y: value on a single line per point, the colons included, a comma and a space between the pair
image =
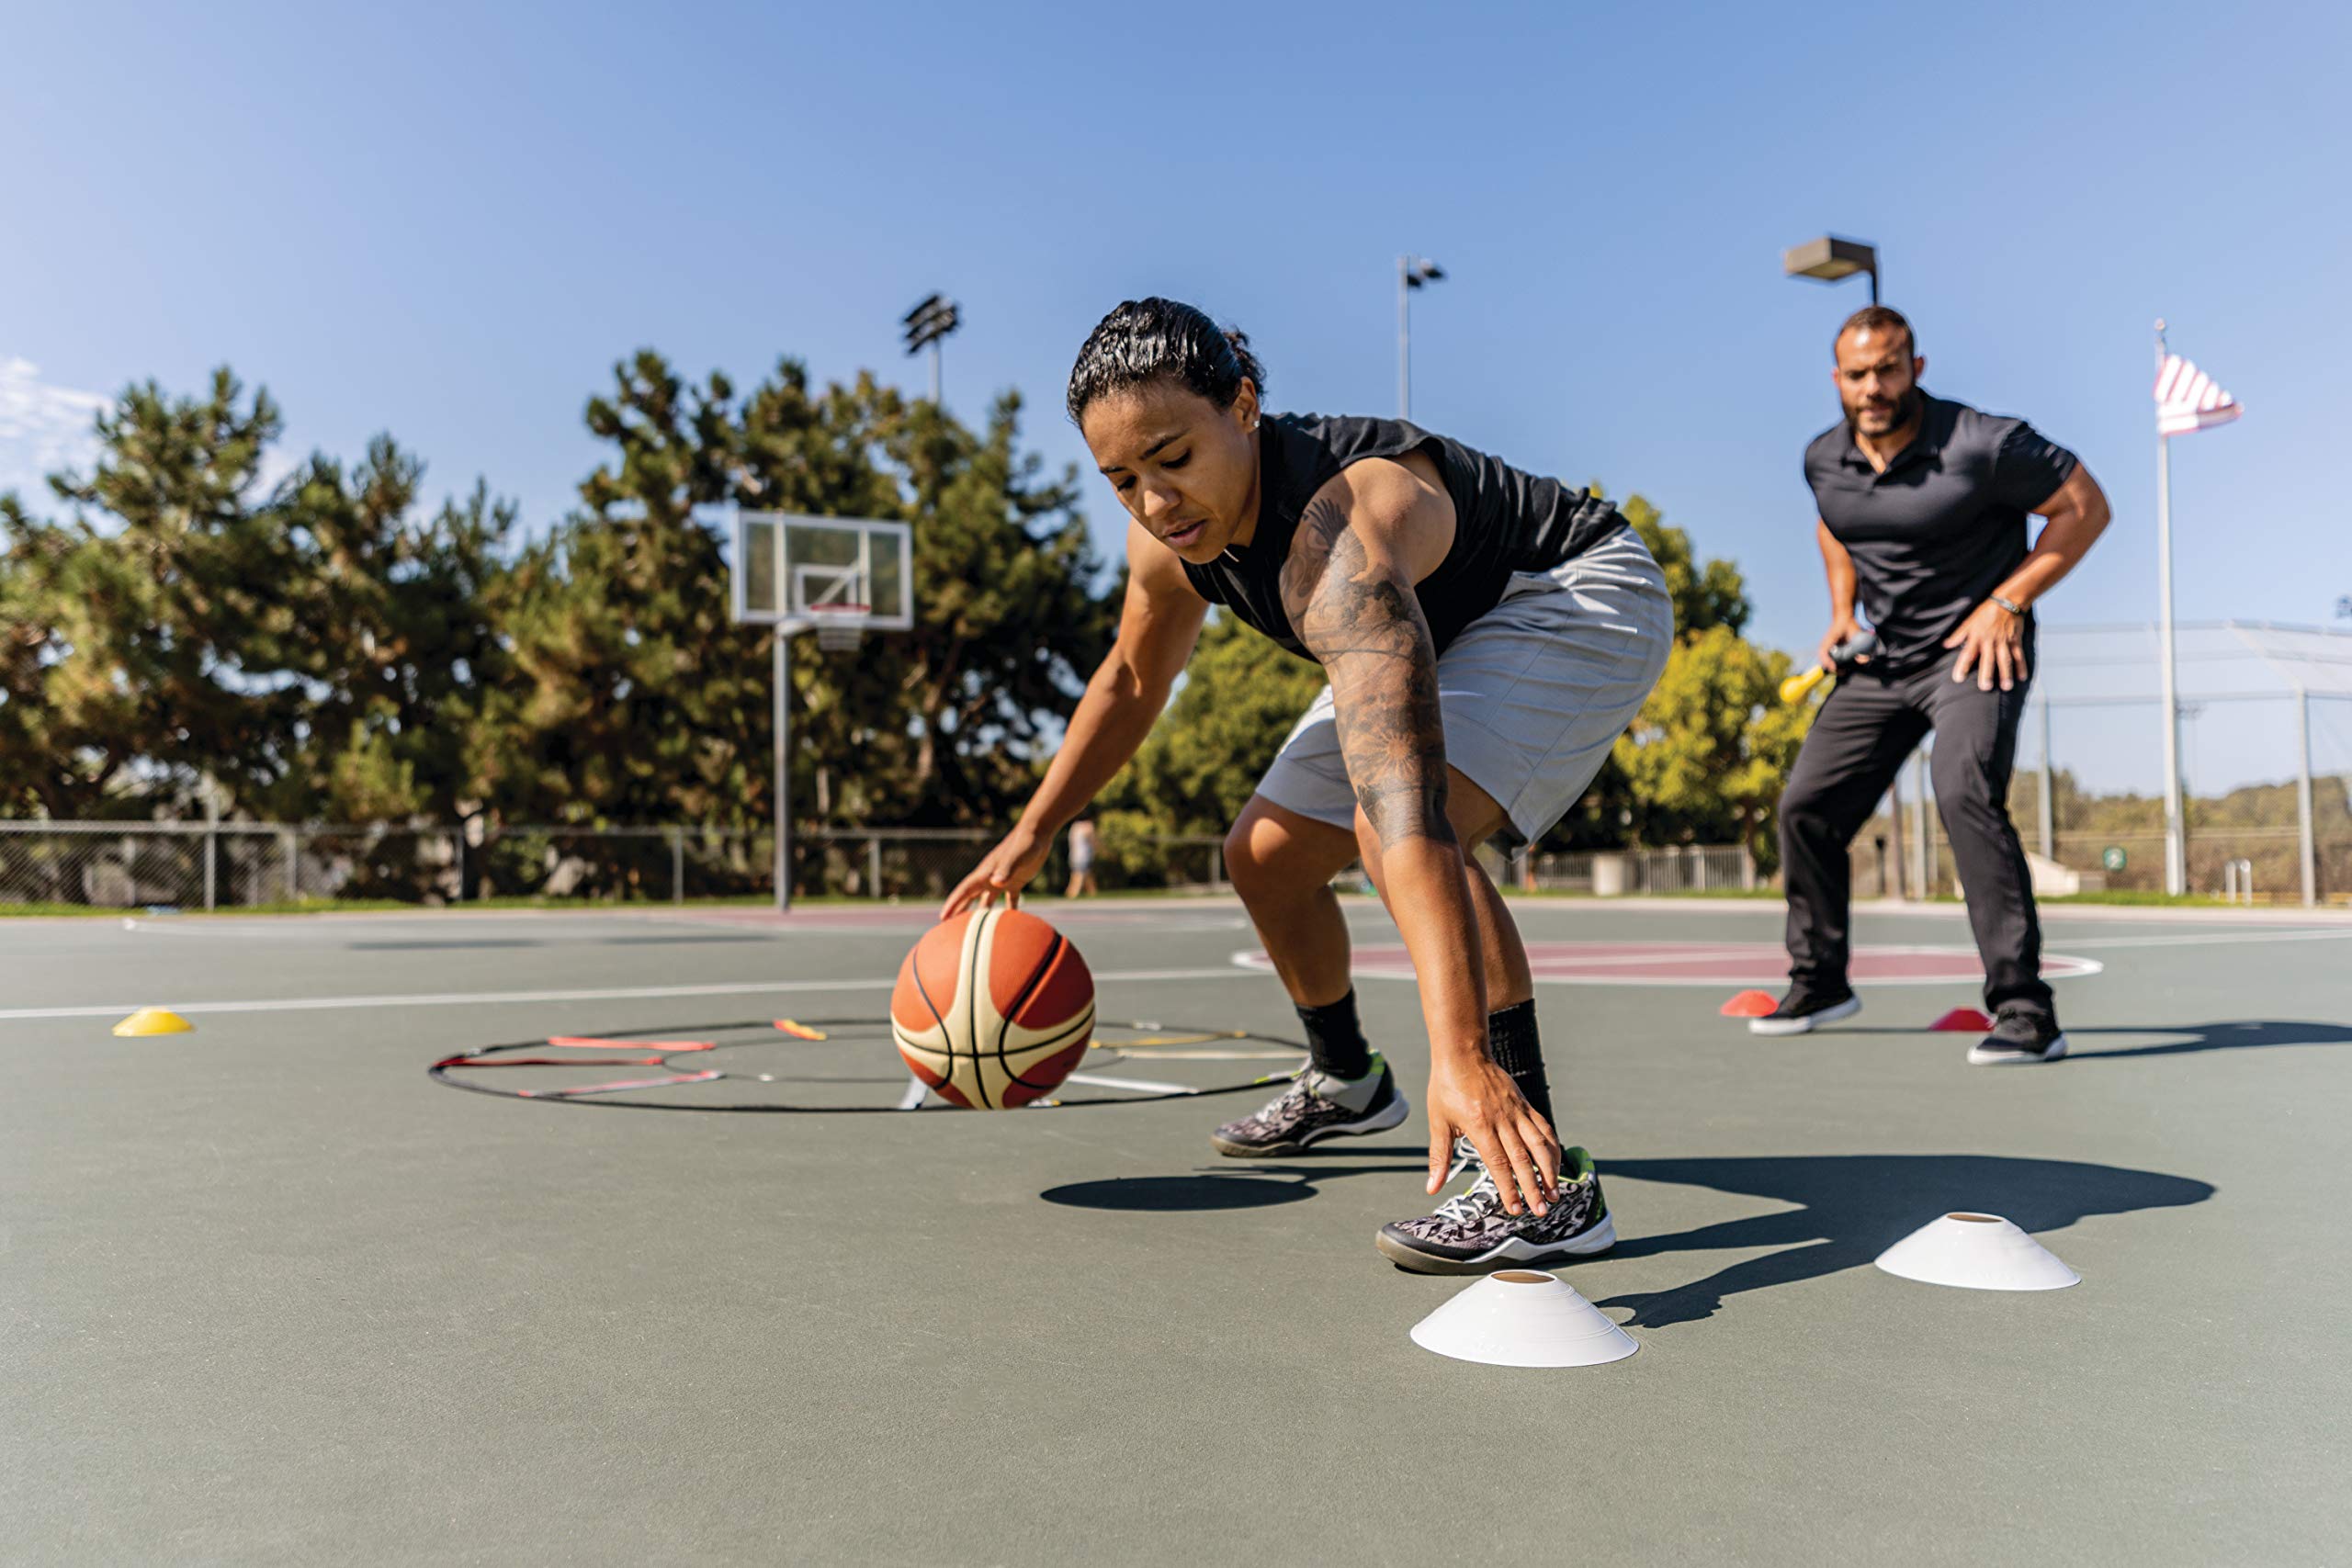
x: 1962, y: 1020
x: 1750, y: 1004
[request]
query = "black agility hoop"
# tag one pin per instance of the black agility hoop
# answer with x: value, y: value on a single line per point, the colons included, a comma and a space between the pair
x: 680, y: 1055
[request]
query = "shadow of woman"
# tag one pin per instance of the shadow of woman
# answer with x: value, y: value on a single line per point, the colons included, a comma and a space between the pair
x: 1852, y: 1207
x: 2240, y: 1035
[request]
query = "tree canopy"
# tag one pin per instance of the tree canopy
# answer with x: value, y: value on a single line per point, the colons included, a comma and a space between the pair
x: 183, y: 632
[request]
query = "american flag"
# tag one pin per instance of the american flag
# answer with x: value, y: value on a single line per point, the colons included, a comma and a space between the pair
x: 2187, y: 400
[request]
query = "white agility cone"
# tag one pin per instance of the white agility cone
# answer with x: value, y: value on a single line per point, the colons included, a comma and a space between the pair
x: 1519, y: 1318
x: 1976, y: 1252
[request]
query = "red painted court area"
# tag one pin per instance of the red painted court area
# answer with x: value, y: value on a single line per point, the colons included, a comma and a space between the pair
x: 1712, y: 963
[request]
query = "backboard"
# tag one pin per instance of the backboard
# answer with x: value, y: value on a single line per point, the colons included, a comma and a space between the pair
x: 796, y: 573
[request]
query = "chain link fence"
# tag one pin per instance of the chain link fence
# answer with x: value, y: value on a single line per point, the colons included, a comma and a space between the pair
x: 130, y: 865
x: 2265, y: 764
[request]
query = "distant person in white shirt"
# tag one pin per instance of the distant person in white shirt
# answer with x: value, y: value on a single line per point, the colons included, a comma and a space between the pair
x: 1081, y: 860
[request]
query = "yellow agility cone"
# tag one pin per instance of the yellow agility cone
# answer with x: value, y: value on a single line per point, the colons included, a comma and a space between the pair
x: 154, y: 1020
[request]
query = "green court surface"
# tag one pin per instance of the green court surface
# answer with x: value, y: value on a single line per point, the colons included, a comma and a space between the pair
x: 275, y: 1295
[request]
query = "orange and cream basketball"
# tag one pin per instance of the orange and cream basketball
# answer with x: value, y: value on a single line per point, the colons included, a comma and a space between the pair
x: 993, y: 1009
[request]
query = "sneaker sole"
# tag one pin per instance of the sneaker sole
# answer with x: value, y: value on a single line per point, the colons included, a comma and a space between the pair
x: 1517, y: 1250
x: 1980, y: 1057
x: 1809, y: 1023
x: 1381, y: 1121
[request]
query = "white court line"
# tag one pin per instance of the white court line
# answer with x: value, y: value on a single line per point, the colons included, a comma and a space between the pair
x: 1144, y: 1084
x: 491, y: 999
x: 1386, y: 968
x: 2217, y: 940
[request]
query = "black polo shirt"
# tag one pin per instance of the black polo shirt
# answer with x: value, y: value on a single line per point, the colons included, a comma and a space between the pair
x: 1934, y: 535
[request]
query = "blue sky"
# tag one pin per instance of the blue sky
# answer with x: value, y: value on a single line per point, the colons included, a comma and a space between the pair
x: 448, y: 223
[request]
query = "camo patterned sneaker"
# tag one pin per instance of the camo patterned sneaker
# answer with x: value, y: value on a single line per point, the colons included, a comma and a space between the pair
x: 1471, y: 1234
x: 1304, y: 1113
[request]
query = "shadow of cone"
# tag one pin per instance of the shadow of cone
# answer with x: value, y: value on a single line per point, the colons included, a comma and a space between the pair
x: 1750, y: 1004
x: 154, y: 1020
x: 1962, y: 1020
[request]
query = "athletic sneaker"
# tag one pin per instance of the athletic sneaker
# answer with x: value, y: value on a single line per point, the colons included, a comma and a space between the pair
x: 1801, y: 1012
x: 1471, y: 1233
x: 1307, y: 1111
x: 2019, y: 1038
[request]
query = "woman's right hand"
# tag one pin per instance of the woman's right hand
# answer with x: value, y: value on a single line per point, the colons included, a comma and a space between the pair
x: 1843, y: 629
x: 1006, y: 869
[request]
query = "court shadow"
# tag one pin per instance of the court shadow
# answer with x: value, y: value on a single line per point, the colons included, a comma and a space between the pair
x: 1259, y: 1186
x: 1850, y: 1208
x: 2243, y: 1035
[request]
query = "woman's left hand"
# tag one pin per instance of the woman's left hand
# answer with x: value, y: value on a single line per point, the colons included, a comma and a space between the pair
x: 1991, y: 641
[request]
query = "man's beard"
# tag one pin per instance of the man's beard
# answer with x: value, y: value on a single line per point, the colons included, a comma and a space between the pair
x: 1905, y: 408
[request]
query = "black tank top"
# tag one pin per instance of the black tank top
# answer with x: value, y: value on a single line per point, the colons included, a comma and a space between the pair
x: 1505, y: 521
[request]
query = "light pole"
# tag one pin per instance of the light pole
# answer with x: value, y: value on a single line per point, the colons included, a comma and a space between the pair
x: 1412, y: 272
x: 1830, y: 258
x: 926, y: 325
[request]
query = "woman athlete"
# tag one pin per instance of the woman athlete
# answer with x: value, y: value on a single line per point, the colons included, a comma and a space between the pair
x: 1486, y: 632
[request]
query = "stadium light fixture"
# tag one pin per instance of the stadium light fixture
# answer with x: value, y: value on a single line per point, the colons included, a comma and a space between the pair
x: 926, y: 327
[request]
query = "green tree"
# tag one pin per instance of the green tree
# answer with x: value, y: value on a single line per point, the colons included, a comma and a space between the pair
x: 636, y: 700
x: 311, y: 650
x: 1707, y: 759
x: 1707, y: 594
x: 392, y: 639
x: 136, y: 666
x: 1241, y: 693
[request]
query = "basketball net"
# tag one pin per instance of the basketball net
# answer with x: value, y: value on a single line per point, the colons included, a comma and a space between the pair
x: 839, y: 627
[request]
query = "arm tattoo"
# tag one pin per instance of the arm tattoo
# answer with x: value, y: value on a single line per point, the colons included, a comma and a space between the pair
x: 1366, y: 627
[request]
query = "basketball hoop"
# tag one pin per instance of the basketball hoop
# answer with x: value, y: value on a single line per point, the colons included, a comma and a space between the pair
x: 839, y: 627
x: 839, y: 577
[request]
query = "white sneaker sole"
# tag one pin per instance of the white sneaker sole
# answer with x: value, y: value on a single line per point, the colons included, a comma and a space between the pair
x: 1809, y: 1023
x: 1398, y: 1108
x: 1514, y: 1250
x: 1980, y: 1057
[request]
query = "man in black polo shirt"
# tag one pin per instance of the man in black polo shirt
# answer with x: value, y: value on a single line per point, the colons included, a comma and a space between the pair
x: 1923, y: 507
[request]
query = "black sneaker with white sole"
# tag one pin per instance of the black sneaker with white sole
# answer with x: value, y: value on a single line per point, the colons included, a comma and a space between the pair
x: 2018, y: 1039
x: 1471, y: 1233
x: 1305, y: 1111
x: 1802, y: 1012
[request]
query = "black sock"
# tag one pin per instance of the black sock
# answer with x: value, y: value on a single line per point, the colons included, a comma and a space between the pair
x: 1336, y: 1040
x: 1510, y: 1040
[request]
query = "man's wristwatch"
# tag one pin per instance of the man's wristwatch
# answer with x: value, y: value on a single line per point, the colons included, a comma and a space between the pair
x: 2011, y: 605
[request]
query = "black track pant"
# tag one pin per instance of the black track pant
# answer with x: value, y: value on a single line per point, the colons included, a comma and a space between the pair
x: 1861, y: 736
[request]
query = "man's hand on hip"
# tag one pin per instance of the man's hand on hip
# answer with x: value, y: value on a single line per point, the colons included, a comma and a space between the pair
x: 1992, y: 642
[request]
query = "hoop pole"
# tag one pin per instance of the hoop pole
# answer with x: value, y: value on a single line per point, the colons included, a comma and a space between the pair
x: 782, y: 771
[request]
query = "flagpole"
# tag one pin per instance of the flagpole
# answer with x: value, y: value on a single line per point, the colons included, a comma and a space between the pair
x: 2175, y: 837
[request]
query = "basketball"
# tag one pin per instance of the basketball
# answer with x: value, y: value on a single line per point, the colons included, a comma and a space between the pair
x: 992, y: 1009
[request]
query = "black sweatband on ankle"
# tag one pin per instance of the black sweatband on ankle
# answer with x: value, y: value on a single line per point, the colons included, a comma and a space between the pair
x: 1512, y: 1041
x: 1335, y: 1039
